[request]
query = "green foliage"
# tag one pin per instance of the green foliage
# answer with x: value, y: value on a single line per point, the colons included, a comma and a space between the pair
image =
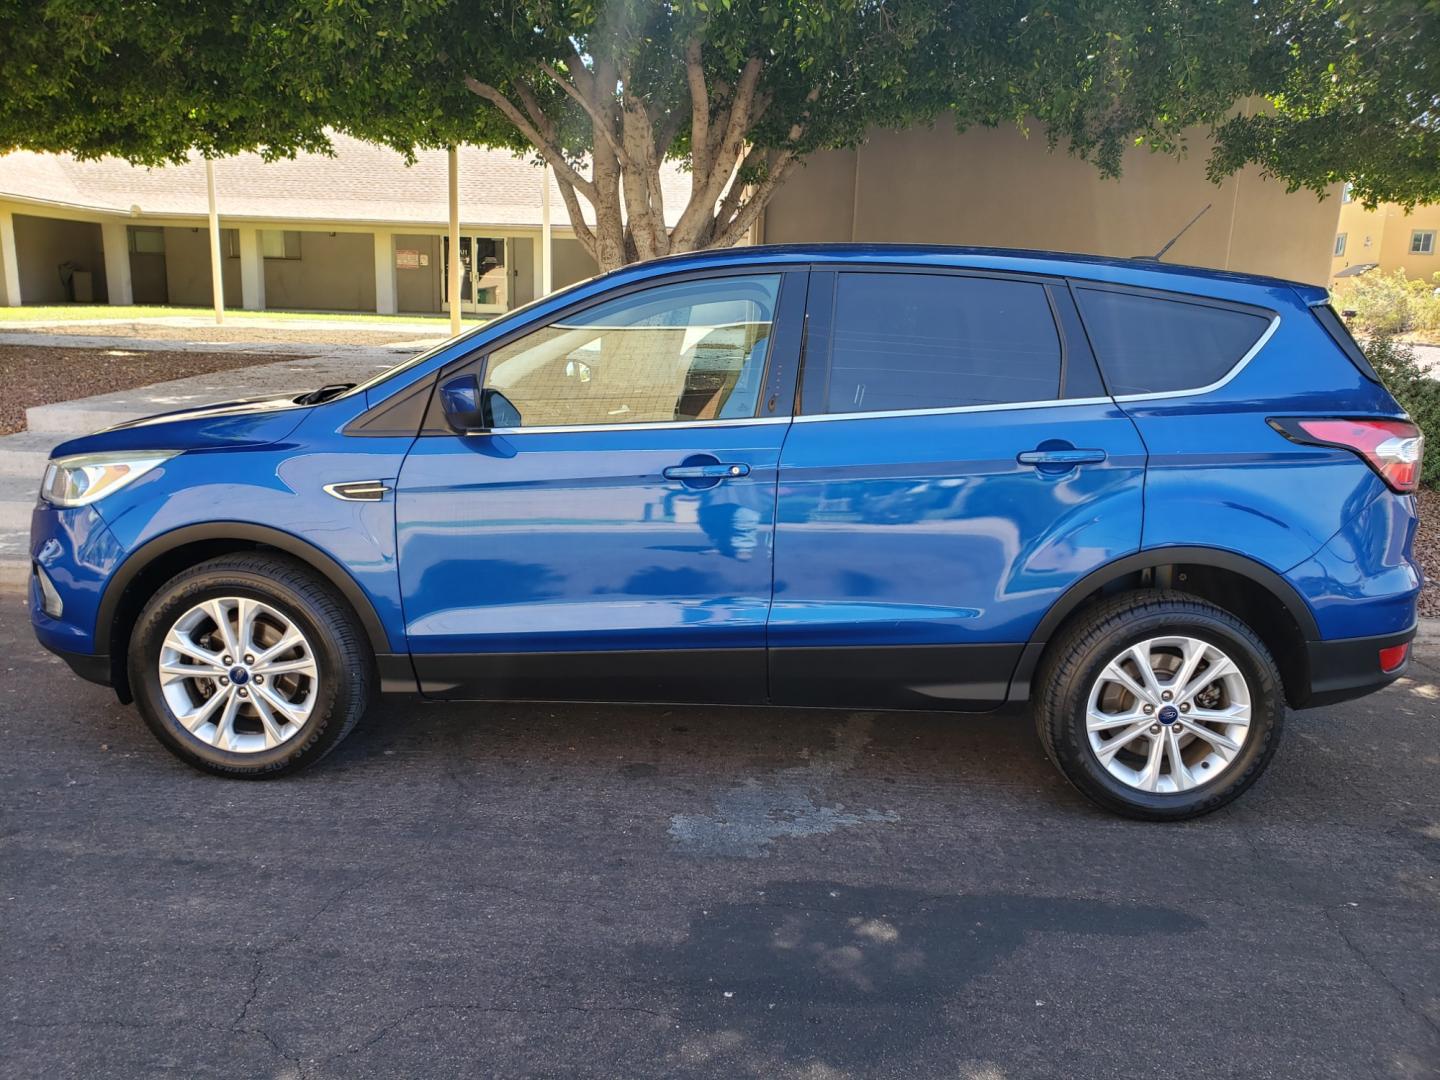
x: 1335, y: 89
x: 1386, y: 304
x: 1417, y: 393
x: 1350, y: 89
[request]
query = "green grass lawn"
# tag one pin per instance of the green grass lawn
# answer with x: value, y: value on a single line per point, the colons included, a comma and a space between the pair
x: 53, y: 313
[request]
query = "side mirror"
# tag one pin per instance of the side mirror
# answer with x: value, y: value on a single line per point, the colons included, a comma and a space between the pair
x: 463, y: 403
x: 473, y: 411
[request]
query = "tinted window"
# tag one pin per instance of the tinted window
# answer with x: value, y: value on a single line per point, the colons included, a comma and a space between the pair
x: 931, y: 341
x: 1149, y: 345
x: 688, y: 351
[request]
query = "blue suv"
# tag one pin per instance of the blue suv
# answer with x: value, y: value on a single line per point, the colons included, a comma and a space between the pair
x: 1157, y: 504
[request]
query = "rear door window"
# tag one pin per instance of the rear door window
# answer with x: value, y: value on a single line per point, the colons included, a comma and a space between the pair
x: 934, y: 341
x: 1151, y: 345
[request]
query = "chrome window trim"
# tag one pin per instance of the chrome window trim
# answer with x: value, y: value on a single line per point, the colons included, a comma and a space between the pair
x: 648, y: 425
x: 1240, y: 365
x: 1048, y: 403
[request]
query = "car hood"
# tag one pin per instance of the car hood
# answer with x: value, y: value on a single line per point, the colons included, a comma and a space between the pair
x: 245, y: 422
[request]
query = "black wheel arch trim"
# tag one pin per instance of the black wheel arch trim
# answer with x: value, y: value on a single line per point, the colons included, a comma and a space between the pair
x: 1151, y: 558
x: 325, y: 565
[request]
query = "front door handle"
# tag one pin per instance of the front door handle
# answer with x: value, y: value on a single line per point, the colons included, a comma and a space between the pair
x: 719, y: 470
x: 1060, y: 457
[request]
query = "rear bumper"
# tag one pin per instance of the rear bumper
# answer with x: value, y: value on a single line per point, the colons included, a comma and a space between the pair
x: 1349, y: 668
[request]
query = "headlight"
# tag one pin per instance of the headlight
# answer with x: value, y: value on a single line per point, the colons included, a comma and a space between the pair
x: 80, y: 480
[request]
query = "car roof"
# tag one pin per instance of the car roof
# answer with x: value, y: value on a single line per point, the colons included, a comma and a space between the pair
x: 1143, y: 272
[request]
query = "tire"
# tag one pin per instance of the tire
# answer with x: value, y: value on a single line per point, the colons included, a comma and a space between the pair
x: 1078, y: 688
x: 317, y: 689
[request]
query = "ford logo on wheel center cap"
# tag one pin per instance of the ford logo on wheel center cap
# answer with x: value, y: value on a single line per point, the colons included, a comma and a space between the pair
x: 239, y: 676
x: 1167, y: 715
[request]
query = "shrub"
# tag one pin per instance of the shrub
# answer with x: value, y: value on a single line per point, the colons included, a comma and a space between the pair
x: 1387, y: 304
x: 1417, y: 393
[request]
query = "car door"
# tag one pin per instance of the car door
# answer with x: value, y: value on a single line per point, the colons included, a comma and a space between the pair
x: 955, y: 466
x: 613, y: 540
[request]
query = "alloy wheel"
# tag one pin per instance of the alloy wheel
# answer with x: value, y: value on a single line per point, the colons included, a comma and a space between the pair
x: 238, y: 674
x: 1168, y: 714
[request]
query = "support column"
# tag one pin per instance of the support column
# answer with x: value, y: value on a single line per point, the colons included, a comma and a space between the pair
x: 217, y: 278
x: 547, y: 277
x: 115, y: 241
x: 454, y: 261
x: 9, y: 260
x: 384, y: 272
x: 252, y: 270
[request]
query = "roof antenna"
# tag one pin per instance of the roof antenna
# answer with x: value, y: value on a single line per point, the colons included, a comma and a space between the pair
x: 1161, y: 253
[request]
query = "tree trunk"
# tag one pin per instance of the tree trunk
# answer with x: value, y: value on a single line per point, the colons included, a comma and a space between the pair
x: 629, y: 147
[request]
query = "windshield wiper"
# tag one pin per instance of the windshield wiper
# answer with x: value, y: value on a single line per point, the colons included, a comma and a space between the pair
x: 325, y: 393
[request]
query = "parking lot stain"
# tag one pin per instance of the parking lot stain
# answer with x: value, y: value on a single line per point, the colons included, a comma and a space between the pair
x: 748, y: 819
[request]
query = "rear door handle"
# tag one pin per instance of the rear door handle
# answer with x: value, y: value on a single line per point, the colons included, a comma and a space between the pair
x: 720, y: 470
x: 1066, y: 457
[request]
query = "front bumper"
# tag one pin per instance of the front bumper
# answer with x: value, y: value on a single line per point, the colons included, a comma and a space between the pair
x: 1349, y: 668
x: 78, y: 554
x: 92, y: 667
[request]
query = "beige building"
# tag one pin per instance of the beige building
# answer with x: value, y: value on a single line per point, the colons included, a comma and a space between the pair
x: 362, y: 231
x: 998, y: 188
x: 1388, y: 238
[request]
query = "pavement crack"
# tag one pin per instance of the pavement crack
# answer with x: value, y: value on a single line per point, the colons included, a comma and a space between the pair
x: 1328, y: 914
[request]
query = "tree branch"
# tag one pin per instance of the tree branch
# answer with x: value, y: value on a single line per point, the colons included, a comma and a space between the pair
x: 699, y: 113
x: 733, y: 232
x: 603, y: 124
x: 547, y: 146
x: 583, y: 232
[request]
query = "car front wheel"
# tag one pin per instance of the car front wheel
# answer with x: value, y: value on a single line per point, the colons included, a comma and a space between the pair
x: 1159, y: 705
x: 249, y: 666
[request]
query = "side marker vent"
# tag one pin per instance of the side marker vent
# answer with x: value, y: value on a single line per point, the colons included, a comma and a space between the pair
x: 358, y: 490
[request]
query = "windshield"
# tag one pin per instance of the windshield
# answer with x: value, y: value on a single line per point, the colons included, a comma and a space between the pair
x: 420, y: 358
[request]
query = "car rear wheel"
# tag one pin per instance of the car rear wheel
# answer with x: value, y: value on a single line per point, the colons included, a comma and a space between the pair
x: 1159, y: 705
x: 249, y: 666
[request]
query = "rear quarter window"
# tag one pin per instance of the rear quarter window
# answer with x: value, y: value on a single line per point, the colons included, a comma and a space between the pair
x: 1151, y: 345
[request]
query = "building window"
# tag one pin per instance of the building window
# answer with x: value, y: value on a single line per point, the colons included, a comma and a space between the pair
x: 1348, y: 195
x: 1340, y: 244
x: 145, y: 240
x: 278, y: 244
x: 1422, y: 242
x: 230, y: 243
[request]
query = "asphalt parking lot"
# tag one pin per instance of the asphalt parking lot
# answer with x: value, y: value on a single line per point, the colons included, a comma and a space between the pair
x: 596, y: 891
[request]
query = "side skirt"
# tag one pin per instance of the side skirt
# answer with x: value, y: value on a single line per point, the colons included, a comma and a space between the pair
x: 692, y: 676
x: 965, y: 678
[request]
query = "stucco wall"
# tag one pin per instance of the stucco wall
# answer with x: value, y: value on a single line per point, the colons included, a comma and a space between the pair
x: 998, y: 188
x: 1388, y: 230
x: 570, y: 263
x: 42, y: 244
x: 187, y: 268
x: 419, y: 289
x: 335, y: 272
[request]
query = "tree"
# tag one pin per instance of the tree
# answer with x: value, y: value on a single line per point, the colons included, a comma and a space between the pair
x: 1355, y: 93
x: 738, y: 91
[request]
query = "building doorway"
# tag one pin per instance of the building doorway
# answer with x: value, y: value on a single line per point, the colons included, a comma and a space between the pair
x: 484, y: 283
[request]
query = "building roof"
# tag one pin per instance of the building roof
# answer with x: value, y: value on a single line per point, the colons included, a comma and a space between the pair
x: 361, y: 183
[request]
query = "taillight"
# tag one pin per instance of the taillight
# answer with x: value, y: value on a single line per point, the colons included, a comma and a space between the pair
x: 1393, y: 448
x: 1393, y: 658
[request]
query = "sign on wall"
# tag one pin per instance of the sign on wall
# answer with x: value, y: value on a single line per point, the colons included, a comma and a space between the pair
x: 410, y: 259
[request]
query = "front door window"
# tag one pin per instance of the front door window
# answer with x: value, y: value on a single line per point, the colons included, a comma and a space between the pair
x: 683, y: 352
